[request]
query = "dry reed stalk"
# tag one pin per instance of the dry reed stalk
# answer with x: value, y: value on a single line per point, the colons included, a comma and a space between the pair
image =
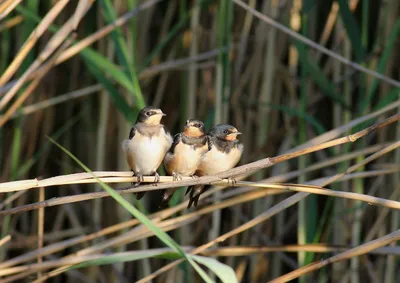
x: 11, y: 23
x: 323, y: 164
x: 40, y: 228
x: 29, y: 241
x: 379, y: 222
x: 7, y: 7
x: 4, y: 240
x: 222, y: 182
x: 330, y: 24
x: 30, y: 109
x: 11, y: 199
x: 315, y: 248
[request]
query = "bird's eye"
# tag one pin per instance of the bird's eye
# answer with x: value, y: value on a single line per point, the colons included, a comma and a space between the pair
x: 148, y: 113
x: 197, y: 125
x: 225, y: 131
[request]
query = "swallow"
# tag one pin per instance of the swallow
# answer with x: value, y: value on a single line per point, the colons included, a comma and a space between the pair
x: 147, y: 145
x: 185, y: 154
x: 224, y: 153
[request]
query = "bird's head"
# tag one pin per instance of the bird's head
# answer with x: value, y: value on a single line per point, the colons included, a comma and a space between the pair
x: 150, y: 115
x: 224, y: 132
x: 194, y: 128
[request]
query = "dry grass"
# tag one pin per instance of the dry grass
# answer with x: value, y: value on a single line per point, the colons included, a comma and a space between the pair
x: 308, y: 203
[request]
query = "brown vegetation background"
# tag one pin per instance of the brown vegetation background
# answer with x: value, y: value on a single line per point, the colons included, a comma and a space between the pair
x: 79, y: 72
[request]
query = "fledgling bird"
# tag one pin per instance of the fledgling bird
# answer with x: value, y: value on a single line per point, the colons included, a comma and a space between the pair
x: 224, y: 153
x: 147, y: 145
x: 185, y: 154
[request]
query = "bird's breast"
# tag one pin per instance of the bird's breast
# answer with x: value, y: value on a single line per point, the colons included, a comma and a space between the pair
x: 215, y: 161
x: 144, y: 153
x: 184, y: 160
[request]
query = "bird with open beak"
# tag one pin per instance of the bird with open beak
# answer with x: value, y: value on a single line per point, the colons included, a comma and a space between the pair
x: 185, y: 154
x: 224, y: 153
x: 147, y: 145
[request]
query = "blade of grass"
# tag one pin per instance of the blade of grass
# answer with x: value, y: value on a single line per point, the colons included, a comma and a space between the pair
x: 224, y: 272
x: 124, y: 257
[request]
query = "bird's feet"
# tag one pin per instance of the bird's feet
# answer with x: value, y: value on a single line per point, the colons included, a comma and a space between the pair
x: 176, y: 177
x: 156, y: 179
x: 232, y: 181
x: 140, y: 179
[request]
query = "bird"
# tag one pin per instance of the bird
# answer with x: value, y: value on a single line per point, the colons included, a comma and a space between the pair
x: 185, y: 154
x: 147, y: 145
x: 225, y: 151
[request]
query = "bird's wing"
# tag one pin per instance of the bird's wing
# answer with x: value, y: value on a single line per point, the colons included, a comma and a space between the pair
x: 209, y: 143
x: 132, y: 132
x: 177, y: 139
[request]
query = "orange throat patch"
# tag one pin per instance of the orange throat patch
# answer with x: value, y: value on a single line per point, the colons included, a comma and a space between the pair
x: 193, y: 132
x: 231, y: 137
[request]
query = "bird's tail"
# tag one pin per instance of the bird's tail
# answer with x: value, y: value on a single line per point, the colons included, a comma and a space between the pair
x: 166, y: 197
x: 195, y: 192
x: 138, y: 195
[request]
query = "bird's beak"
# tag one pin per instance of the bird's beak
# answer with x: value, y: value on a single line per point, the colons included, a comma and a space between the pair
x: 163, y: 114
x: 235, y: 133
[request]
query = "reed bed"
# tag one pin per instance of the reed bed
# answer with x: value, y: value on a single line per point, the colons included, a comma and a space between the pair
x: 313, y: 85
